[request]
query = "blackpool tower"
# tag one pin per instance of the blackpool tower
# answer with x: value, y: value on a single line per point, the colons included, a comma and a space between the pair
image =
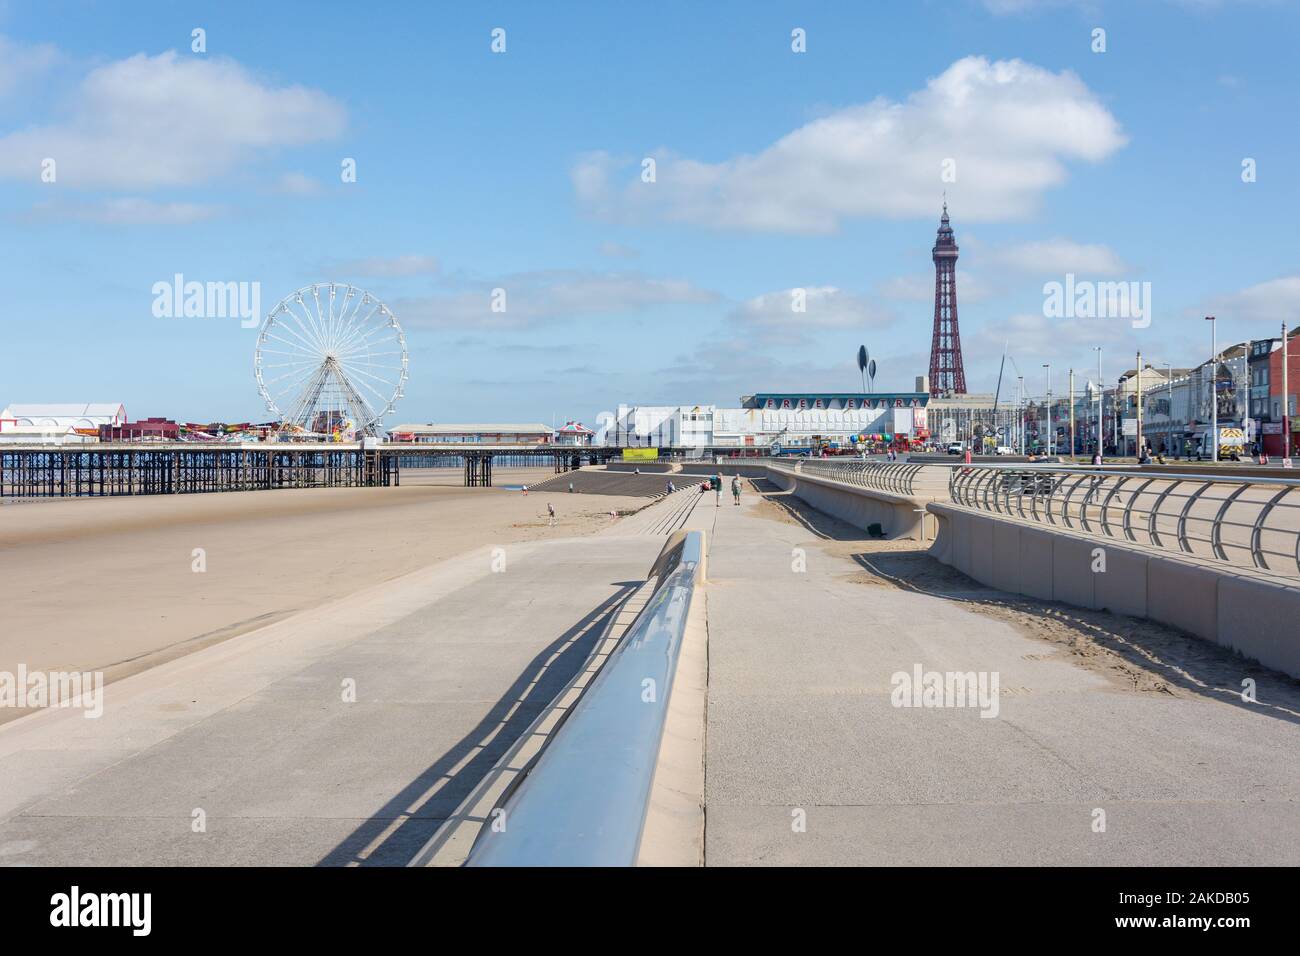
x: 946, y: 373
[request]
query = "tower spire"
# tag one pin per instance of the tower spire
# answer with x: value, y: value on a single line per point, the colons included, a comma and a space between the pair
x: 947, y: 373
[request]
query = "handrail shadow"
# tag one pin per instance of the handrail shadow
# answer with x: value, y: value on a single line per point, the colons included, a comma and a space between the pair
x: 397, y: 831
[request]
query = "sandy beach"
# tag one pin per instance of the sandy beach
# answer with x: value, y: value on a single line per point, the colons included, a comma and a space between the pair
x: 111, y: 584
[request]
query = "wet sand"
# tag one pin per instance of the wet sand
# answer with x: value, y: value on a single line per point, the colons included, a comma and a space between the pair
x: 111, y: 584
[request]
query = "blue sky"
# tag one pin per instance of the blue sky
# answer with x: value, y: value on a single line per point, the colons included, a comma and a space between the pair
x: 775, y: 171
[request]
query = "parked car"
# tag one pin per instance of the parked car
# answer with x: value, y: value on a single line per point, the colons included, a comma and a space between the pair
x: 1004, y: 450
x: 956, y: 448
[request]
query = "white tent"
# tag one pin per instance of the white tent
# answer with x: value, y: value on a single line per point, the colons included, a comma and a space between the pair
x: 57, y: 423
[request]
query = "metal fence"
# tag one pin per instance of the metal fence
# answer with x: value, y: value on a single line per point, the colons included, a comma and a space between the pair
x: 1251, y: 522
x: 898, y: 478
x: 908, y: 479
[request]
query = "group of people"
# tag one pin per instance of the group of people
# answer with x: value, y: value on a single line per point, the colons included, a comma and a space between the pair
x: 716, y: 484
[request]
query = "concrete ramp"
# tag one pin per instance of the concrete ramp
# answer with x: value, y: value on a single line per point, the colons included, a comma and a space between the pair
x: 601, y: 482
x: 341, y: 736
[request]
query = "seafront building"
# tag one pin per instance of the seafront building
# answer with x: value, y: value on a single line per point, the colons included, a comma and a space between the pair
x: 532, y: 433
x: 761, y: 420
x: 58, y: 424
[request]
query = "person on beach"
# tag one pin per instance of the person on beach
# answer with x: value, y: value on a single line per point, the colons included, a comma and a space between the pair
x: 550, y: 509
x: 735, y: 490
x: 524, y: 488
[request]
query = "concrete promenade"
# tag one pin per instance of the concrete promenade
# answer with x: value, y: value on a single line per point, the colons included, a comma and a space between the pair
x: 800, y: 719
x: 248, y: 752
x: 252, y: 743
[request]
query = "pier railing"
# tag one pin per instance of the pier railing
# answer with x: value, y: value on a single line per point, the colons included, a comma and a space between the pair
x: 93, y: 471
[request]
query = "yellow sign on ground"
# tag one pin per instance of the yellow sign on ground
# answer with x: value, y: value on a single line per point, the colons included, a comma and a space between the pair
x: 640, y: 454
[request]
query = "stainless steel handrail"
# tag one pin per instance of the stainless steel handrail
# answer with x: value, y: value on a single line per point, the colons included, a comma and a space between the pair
x: 583, y: 801
x: 1243, y: 520
x: 1192, y: 512
x: 898, y: 478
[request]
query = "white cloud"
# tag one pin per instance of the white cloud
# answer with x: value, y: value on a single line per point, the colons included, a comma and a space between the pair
x: 535, y: 298
x: 616, y: 250
x: 1267, y: 302
x: 19, y: 64
x: 298, y: 184
x: 1009, y: 125
x: 1066, y: 343
x: 395, y: 267
x: 1059, y: 256
x: 719, y: 369
x: 825, y: 307
x: 125, y: 211
x: 770, y: 319
x: 166, y: 120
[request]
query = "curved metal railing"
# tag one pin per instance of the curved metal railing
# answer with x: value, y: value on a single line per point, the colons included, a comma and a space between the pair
x: 908, y: 479
x: 1250, y: 522
x: 583, y: 801
x: 894, y: 477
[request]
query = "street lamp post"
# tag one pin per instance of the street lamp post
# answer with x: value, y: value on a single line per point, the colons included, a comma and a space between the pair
x: 1100, y: 390
x: 1138, y: 405
x: 1048, y: 366
x: 1020, y: 414
x: 1286, y: 400
x: 1169, y: 412
x: 1071, y: 415
x: 1214, y: 385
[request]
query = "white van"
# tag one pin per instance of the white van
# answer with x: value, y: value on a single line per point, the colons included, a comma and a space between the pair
x: 1232, y: 442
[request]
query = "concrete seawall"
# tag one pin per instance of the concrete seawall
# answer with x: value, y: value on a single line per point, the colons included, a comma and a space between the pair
x: 1253, y: 613
x: 899, y: 516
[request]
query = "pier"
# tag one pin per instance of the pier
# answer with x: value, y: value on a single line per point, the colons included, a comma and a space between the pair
x: 166, y: 468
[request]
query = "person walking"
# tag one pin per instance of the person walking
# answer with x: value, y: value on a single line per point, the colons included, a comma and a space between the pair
x: 735, y: 490
x: 550, y: 509
x: 717, y: 489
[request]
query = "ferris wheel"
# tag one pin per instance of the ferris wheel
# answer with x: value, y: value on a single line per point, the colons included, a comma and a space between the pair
x: 330, y: 358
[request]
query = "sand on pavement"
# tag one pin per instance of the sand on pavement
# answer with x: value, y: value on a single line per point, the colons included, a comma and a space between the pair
x: 1136, y: 655
x: 111, y: 584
